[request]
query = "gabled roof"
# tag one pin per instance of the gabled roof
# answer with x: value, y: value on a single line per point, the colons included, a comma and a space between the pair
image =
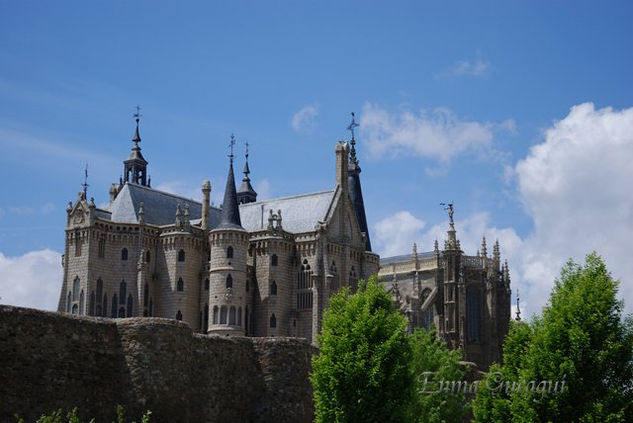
x: 299, y: 213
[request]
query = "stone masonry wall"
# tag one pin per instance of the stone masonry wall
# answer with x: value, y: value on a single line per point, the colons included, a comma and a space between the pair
x: 50, y: 361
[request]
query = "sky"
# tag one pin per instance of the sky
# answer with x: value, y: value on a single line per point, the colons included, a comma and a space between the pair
x: 518, y: 112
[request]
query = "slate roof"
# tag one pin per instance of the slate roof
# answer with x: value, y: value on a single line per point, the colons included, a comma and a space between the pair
x: 405, y: 257
x: 299, y: 213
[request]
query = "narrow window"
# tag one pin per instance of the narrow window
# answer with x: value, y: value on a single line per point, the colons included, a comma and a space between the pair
x: 68, y: 302
x: 130, y: 302
x: 122, y: 291
x: 75, y: 309
x: 181, y: 255
x: 78, y: 245
x: 104, y: 310
x: 124, y: 254
x: 146, y: 296
x: 181, y: 285
x: 121, y: 311
x: 215, y: 315
x: 273, y: 260
x: 229, y: 281
x: 91, y: 305
x: 115, y: 301
x: 205, y: 321
x: 239, y: 316
x: 101, y: 249
x: 76, y: 289
x: 206, y: 284
x: 151, y: 308
x: 232, y: 316
x: 98, y: 310
x: 148, y: 257
x: 179, y: 315
x: 99, y: 289
x: 223, y: 315
x: 273, y: 321
x: 81, y: 303
x: 229, y: 252
x: 273, y: 288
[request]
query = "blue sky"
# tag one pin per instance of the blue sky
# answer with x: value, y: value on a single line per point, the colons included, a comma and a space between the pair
x: 468, y: 102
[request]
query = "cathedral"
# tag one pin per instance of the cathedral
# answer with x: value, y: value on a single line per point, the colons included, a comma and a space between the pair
x: 267, y: 267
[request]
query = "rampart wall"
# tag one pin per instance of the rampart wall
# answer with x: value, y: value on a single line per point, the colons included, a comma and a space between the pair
x: 50, y: 361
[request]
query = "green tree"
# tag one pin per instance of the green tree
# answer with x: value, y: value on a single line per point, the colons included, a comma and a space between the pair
x: 431, y: 355
x: 582, y: 339
x: 362, y: 372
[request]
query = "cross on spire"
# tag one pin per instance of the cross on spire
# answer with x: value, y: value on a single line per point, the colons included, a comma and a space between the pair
x: 351, y: 127
x: 137, y: 115
x: 85, y: 185
x: 231, y: 145
x: 246, y: 143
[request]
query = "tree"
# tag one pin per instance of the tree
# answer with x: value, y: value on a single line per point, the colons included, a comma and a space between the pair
x: 362, y: 370
x: 430, y: 354
x: 581, y: 339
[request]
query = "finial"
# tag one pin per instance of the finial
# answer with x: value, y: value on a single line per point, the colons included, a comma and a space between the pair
x: 247, y: 170
x: 518, y: 313
x: 415, y: 248
x: 231, y: 145
x: 451, y: 211
x: 484, y: 250
x: 85, y: 184
x: 352, y: 125
x: 137, y: 137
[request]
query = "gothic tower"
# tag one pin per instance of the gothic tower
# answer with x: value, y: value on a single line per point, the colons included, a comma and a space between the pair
x: 227, y: 265
x: 355, y: 191
x: 135, y: 166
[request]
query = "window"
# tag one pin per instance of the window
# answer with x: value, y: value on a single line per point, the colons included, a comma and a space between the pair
x: 75, y: 309
x: 104, y: 311
x: 148, y: 257
x: 232, y: 316
x: 245, y: 320
x: 91, y: 305
x: 181, y: 285
x: 179, y: 315
x: 273, y: 321
x: 81, y: 303
x: 76, y: 289
x: 223, y: 315
x: 273, y: 260
x: 122, y: 291
x: 78, y: 245
x: 115, y: 301
x: 304, y: 287
x: 229, y: 281
x: 124, y: 254
x: 68, y: 302
x: 229, y: 252
x: 130, y: 302
x: 101, y: 249
x: 121, y: 311
x: 99, y: 289
x: 205, y: 320
x: 98, y: 310
x: 181, y: 255
x: 151, y: 308
x: 215, y: 315
x: 273, y: 288
x: 146, y: 296
x: 239, y: 316
x: 206, y: 284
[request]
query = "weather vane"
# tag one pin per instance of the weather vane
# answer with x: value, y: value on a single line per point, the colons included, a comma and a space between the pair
x: 246, y: 143
x: 449, y: 208
x: 137, y: 115
x: 231, y: 144
x: 85, y: 184
x: 352, y: 126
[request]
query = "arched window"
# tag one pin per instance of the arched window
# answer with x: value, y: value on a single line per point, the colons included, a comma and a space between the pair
x: 206, y: 284
x: 115, y: 301
x: 239, y: 316
x: 99, y: 289
x: 232, y: 316
x: 98, y: 310
x: 229, y: 281
x: 273, y: 260
x: 273, y: 321
x: 91, y: 304
x: 223, y: 315
x: 124, y: 254
x: 179, y: 315
x: 121, y: 311
x: 304, y: 287
x: 122, y: 291
x: 104, y: 310
x: 75, y: 309
x: 215, y: 315
x: 81, y: 303
x: 273, y: 288
x: 205, y: 321
x: 68, y: 302
x: 76, y: 289
x: 229, y: 252
x: 181, y: 285
x: 181, y: 255
x: 148, y: 257
x: 130, y: 302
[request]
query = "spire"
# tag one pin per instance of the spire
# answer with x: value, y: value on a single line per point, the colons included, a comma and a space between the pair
x: 246, y: 193
x: 496, y: 255
x: 518, y: 312
x: 355, y: 190
x: 135, y: 166
x: 230, y: 211
x: 484, y: 251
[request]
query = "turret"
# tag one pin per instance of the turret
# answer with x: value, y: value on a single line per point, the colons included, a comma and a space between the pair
x: 355, y: 191
x: 135, y: 166
x: 227, y: 265
x: 206, y: 200
x: 246, y: 193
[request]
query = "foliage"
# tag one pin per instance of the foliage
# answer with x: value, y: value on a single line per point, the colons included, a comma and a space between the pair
x: 431, y: 354
x: 72, y: 417
x: 581, y: 339
x: 362, y: 370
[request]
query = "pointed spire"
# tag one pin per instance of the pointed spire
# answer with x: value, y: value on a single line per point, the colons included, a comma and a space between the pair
x: 246, y: 193
x: 484, y: 251
x: 137, y: 137
x: 230, y: 211
x: 518, y: 312
x: 354, y: 186
x: 496, y: 255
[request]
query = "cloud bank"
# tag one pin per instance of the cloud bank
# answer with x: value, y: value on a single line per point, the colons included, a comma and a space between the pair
x: 304, y: 121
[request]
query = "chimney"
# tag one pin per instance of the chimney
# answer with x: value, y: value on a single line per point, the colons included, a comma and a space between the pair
x: 206, y: 196
x: 342, y: 152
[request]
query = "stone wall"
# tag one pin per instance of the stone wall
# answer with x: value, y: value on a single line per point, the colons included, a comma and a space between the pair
x: 51, y: 361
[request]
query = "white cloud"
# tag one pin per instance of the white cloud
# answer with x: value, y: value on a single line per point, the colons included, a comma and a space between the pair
x: 262, y: 188
x: 476, y: 67
x: 304, y: 121
x: 31, y: 280
x: 437, y: 134
x: 575, y: 187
